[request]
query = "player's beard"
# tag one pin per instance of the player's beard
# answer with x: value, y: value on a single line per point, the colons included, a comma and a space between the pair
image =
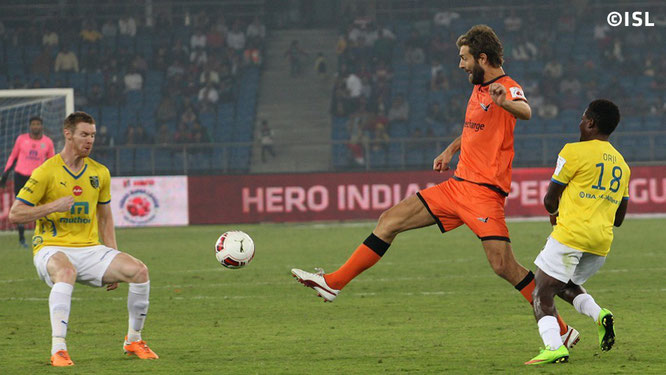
x: 82, y: 152
x: 477, y: 74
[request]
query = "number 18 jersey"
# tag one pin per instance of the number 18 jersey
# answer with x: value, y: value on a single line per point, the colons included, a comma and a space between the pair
x: 597, y: 180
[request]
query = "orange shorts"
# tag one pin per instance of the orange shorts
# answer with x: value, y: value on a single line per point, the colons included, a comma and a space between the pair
x: 456, y: 202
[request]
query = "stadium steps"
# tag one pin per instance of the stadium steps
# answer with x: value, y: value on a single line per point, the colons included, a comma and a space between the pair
x: 297, y: 109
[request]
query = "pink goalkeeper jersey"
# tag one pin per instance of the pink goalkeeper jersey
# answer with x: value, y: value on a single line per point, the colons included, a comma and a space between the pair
x: 29, y: 153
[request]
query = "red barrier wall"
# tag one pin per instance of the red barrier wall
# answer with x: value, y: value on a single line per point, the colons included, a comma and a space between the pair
x: 6, y: 200
x: 364, y: 195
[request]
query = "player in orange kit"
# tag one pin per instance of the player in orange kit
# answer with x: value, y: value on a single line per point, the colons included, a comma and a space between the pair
x: 476, y: 194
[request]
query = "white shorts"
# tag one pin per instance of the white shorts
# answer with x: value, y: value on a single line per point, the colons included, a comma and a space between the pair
x: 565, y: 263
x: 90, y: 262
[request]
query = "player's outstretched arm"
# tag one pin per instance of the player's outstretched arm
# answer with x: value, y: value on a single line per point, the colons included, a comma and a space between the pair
x: 21, y: 213
x: 105, y: 225
x: 441, y: 162
x: 621, y: 211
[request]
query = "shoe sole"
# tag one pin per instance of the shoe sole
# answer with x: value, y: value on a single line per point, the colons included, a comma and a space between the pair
x: 564, y: 359
x: 315, y: 286
x: 608, y: 340
x: 129, y: 354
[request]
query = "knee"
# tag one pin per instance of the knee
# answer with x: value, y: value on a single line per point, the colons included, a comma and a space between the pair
x: 140, y: 273
x: 66, y: 274
x: 388, y: 226
x: 537, y: 294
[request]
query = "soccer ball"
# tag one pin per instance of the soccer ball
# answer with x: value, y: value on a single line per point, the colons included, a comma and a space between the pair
x: 234, y: 249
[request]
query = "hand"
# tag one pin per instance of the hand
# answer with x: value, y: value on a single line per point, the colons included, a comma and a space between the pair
x: 553, y: 219
x: 111, y: 286
x: 441, y: 162
x: 63, y: 204
x: 497, y: 93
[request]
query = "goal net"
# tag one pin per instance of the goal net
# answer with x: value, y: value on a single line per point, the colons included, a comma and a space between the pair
x: 16, y: 109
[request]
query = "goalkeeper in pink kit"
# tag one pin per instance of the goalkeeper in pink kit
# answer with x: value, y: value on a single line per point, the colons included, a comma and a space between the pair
x: 30, y: 151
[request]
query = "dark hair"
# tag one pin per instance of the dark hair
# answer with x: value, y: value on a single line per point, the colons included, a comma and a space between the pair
x: 605, y: 114
x: 35, y: 118
x: 482, y: 39
x: 73, y: 119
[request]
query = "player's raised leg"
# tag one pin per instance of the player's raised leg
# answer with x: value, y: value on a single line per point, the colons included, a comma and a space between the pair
x: 504, y: 263
x: 63, y: 276
x: 408, y: 214
x: 586, y: 305
x: 126, y: 268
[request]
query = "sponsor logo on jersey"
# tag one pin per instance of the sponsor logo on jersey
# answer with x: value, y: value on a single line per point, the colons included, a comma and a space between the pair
x: 474, y: 125
x: 79, y: 208
x: 516, y: 93
x: 74, y: 220
x: 77, y: 190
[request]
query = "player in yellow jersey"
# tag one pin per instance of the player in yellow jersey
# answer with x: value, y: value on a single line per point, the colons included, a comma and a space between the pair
x: 588, y: 194
x: 69, y: 198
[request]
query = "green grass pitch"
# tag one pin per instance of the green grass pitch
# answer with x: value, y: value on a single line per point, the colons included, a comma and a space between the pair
x: 431, y: 306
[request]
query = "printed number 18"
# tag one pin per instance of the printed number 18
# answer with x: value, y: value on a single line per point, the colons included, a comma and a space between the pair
x: 614, y: 182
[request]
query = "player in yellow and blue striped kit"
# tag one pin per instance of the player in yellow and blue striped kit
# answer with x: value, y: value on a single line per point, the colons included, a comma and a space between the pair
x: 588, y: 194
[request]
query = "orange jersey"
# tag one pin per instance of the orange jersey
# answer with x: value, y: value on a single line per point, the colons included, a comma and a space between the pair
x: 486, y: 150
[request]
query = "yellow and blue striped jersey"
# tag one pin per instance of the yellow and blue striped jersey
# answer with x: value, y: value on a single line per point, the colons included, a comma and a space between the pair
x: 53, y: 180
x: 597, y: 180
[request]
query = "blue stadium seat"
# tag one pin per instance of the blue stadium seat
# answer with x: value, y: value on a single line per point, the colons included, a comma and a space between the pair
x: 377, y: 158
x: 77, y: 81
x: 341, y: 155
x: 164, y: 160
x: 94, y: 78
x: 207, y: 119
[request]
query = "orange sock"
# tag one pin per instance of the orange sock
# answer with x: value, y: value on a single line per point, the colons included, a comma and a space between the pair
x: 364, y: 257
x: 563, y: 326
x: 526, y: 287
x: 527, y: 291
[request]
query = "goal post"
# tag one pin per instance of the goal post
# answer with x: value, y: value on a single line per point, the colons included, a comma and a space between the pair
x: 16, y: 109
x: 18, y: 106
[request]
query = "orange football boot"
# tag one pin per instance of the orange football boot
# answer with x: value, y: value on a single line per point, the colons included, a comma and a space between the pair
x: 61, y: 359
x: 139, y: 349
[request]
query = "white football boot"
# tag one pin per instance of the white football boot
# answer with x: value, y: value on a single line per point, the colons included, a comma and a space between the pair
x: 570, y: 338
x: 316, y: 281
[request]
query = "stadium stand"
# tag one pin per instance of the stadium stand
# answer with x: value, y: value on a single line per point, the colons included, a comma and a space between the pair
x: 170, y: 64
x: 558, y: 89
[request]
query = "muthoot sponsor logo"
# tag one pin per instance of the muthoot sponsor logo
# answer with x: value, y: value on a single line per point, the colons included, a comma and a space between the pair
x: 74, y: 220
